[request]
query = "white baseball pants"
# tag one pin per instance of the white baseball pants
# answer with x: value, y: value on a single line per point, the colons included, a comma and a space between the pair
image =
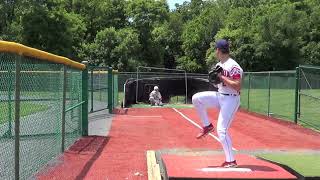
x: 228, y: 106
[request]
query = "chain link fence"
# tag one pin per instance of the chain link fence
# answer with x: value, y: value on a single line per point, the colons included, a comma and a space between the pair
x: 289, y: 95
x: 308, y: 100
x: 103, y: 88
x: 98, y: 88
x: 40, y: 108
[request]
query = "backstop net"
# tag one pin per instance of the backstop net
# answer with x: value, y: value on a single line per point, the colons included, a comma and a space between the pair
x: 153, y: 77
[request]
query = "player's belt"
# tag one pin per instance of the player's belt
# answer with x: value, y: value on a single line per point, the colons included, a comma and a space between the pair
x: 229, y: 94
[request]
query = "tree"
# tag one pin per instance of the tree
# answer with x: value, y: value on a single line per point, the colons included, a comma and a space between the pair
x: 117, y: 48
x: 311, y: 47
x: 54, y: 31
x: 144, y: 16
x: 238, y: 30
x: 128, y: 50
x: 196, y: 38
x: 190, y: 10
x: 278, y: 42
x: 99, y: 15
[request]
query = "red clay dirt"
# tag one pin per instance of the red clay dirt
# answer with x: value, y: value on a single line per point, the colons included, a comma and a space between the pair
x: 121, y: 155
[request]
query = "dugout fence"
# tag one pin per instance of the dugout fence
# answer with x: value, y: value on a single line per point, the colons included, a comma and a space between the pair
x: 43, y: 108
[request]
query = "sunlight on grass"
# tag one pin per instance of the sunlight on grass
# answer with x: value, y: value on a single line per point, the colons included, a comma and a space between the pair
x: 305, y: 164
x: 26, y: 109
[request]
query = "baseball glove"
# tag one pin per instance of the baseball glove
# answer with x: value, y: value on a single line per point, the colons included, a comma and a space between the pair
x: 213, y: 75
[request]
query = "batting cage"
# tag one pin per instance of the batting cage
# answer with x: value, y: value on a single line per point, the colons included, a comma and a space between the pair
x: 176, y: 86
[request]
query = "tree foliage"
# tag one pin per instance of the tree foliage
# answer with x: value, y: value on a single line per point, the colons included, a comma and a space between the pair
x: 264, y: 34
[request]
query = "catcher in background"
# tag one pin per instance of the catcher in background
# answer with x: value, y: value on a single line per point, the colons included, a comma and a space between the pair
x: 226, y: 75
x: 155, y: 97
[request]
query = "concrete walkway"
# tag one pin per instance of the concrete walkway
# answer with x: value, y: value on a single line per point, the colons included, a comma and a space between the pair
x: 100, y: 123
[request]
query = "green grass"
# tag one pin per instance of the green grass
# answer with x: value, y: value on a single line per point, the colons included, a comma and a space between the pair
x: 26, y: 109
x: 174, y: 102
x: 306, y: 164
x: 177, y: 100
x: 120, y: 98
x: 282, y: 104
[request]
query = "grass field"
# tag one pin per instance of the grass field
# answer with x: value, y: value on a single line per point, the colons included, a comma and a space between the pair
x: 282, y: 104
x: 27, y: 108
x: 306, y: 164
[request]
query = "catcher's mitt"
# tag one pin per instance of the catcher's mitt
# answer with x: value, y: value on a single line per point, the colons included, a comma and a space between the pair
x: 213, y: 75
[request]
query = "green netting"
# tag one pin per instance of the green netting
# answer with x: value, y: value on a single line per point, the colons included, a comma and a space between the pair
x: 269, y: 93
x: 41, y: 92
x: 122, y: 78
x: 282, y: 95
x: 245, y: 91
x: 40, y: 131
x: 154, y: 74
x: 73, y: 117
x: 98, y: 89
x: 309, y: 95
x: 6, y: 115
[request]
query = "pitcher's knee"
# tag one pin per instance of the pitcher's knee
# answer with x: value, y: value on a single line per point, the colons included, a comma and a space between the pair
x: 195, y: 99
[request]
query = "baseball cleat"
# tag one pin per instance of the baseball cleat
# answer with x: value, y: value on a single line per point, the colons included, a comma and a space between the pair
x: 205, y: 131
x: 231, y: 164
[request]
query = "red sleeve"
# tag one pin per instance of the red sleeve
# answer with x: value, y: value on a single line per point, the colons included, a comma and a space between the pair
x: 235, y: 73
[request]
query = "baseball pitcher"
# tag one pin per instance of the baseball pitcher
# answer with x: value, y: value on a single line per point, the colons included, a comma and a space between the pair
x: 226, y: 75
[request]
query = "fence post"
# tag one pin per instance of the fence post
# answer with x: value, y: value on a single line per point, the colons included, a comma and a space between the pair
x: 186, y: 82
x: 249, y: 86
x: 137, y: 84
x: 269, y: 93
x: 110, y: 89
x: 91, y: 87
x: 17, y: 119
x: 296, y: 99
x: 85, y: 99
x: 63, y: 114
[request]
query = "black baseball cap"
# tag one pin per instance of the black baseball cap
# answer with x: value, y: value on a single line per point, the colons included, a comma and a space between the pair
x: 223, y: 45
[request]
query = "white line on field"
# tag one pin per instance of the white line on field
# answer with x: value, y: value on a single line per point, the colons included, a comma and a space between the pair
x: 219, y: 169
x: 197, y: 125
x: 132, y: 116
